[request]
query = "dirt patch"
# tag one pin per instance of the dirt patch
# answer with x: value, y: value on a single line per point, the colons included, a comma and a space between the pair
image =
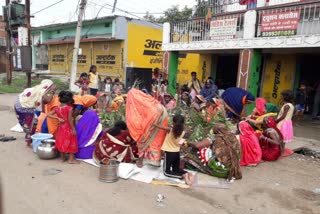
x: 202, y: 197
x: 5, y: 108
x: 306, y: 194
x: 282, y: 199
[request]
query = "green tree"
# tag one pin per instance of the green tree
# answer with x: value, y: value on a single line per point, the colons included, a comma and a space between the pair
x: 172, y: 14
x: 149, y: 17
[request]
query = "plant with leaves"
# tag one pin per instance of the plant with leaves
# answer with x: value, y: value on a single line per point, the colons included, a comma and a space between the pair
x: 108, y: 119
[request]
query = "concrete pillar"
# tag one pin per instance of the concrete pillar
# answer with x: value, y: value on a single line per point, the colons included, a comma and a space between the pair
x: 170, y: 69
x: 166, y: 33
x: 255, y: 72
x: 245, y: 59
x: 250, y: 19
x: 261, y: 3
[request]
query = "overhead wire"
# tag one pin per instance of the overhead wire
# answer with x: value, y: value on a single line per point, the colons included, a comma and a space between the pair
x: 138, y: 17
x: 77, y: 8
x: 47, y: 7
x: 101, y: 7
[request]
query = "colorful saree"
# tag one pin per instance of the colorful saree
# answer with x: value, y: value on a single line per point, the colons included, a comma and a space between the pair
x: 121, y: 148
x: 142, y: 111
x: 235, y: 99
x: 29, y: 100
x: 250, y: 149
x: 88, y: 131
x: 221, y: 159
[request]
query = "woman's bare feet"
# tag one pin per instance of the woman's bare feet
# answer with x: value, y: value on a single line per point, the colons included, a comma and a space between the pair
x: 72, y: 159
x: 189, y: 178
x: 63, y: 157
x: 140, y: 162
x: 73, y: 162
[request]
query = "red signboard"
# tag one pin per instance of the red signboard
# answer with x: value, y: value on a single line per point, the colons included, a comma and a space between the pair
x: 280, y: 24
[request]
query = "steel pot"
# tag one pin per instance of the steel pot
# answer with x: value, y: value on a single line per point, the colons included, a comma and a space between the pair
x: 46, y: 150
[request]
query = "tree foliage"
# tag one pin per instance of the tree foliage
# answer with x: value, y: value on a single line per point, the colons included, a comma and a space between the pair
x: 172, y: 14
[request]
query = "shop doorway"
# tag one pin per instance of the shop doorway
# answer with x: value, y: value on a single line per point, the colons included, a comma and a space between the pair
x: 308, y: 72
x: 142, y: 75
x: 309, y: 68
x: 227, y: 71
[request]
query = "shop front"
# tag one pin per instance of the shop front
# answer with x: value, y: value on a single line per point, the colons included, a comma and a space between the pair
x: 279, y: 75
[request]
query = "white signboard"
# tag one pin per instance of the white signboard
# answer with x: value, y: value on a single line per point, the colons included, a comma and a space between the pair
x: 223, y: 29
x: 22, y: 36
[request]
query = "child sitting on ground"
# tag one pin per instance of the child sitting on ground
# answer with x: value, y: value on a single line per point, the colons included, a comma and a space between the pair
x: 66, y: 138
x: 171, y: 148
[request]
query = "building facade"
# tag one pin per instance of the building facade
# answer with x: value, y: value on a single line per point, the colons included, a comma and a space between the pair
x: 3, y: 58
x: 120, y: 47
x: 264, y: 46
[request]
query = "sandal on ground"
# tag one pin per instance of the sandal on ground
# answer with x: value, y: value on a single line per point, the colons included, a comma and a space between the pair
x: 6, y: 139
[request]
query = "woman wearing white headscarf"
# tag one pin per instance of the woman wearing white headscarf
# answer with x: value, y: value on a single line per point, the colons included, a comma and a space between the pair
x: 30, y: 100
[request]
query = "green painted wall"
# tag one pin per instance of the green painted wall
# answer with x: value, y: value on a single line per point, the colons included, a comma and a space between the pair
x: 214, y: 67
x: 254, y: 83
x: 100, y: 28
x: 173, y: 72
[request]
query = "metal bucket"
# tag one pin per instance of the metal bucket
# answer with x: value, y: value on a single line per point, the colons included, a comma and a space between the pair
x: 109, y: 172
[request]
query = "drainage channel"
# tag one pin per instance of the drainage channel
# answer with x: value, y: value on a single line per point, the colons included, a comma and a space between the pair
x: 307, y: 152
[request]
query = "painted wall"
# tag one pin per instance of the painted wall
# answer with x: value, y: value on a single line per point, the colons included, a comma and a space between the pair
x: 279, y: 75
x: 101, y: 28
x: 69, y: 30
x: 58, y: 58
x: 107, y: 56
x: 256, y: 63
x: 194, y: 62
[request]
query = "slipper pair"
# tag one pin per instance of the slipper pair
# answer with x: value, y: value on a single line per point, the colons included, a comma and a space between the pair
x: 6, y: 139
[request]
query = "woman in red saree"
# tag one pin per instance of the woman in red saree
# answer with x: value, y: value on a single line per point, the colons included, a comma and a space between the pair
x: 271, y: 140
x: 250, y: 148
x: 116, y: 144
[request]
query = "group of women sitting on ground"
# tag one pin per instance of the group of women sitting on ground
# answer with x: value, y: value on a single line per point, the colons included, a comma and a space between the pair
x: 147, y: 137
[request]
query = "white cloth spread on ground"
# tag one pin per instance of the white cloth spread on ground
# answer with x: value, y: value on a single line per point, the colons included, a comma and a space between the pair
x: 148, y: 173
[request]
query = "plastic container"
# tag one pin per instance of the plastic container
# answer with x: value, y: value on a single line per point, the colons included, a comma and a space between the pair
x: 109, y: 172
x: 37, y: 138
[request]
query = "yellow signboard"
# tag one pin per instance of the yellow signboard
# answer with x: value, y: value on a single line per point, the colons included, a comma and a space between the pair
x: 144, y: 46
x: 279, y: 75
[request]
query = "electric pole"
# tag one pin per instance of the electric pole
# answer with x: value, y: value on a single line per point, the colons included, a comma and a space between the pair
x: 114, y: 6
x: 28, y: 26
x: 8, y: 44
x: 82, y: 7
